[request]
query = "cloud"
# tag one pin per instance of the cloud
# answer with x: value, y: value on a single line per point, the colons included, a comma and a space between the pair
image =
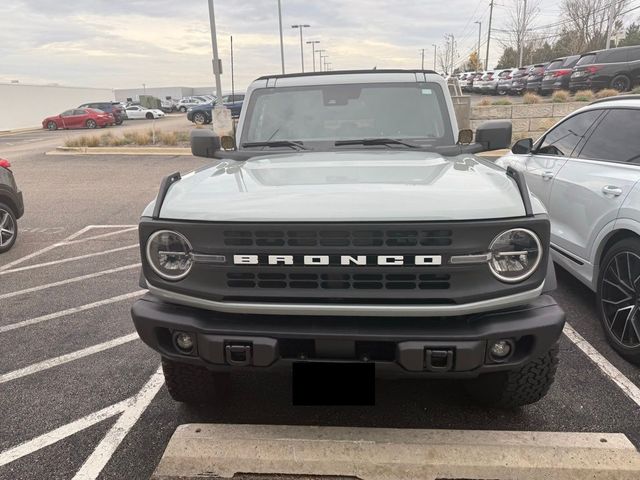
x: 124, y: 43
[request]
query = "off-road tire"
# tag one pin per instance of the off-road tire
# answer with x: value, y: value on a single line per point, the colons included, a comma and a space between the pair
x: 193, y: 384
x: 632, y: 246
x: 621, y: 83
x: 516, y: 388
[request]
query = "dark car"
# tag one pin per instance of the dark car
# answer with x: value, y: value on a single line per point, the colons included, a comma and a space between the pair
x: 617, y: 68
x: 534, y: 79
x: 201, y: 114
x: 114, y: 108
x: 506, y: 78
x: 11, y: 207
x: 519, y: 80
x: 558, y: 74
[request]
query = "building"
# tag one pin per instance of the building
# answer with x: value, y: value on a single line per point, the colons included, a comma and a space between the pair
x: 163, y: 93
x: 25, y: 105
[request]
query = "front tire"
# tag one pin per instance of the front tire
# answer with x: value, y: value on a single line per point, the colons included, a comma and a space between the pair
x: 618, y: 298
x: 516, y: 388
x: 52, y: 126
x: 621, y: 83
x: 193, y: 384
x: 149, y: 116
x: 183, y: 109
x: 8, y: 228
x: 199, y: 118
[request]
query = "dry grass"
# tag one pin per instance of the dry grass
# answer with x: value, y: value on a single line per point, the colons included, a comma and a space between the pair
x: 503, y: 101
x: 531, y: 98
x: 607, y: 92
x: 583, y: 96
x: 561, y: 96
x: 636, y: 90
x: 142, y: 139
x: 485, y: 102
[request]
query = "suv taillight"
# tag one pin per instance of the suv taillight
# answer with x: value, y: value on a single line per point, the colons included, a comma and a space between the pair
x: 593, y: 68
x: 562, y: 73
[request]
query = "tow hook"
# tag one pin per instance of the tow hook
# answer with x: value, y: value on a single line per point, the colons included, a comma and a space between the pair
x: 238, y: 355
x: 438, y: 360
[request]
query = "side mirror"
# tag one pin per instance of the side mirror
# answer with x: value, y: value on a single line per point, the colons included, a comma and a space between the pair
x: 522, y: 147
x: 204, y: 143
x: 494, y: 135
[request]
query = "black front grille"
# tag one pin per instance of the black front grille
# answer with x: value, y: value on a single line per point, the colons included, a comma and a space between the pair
x: 339, y: 281
x: 337, y: 238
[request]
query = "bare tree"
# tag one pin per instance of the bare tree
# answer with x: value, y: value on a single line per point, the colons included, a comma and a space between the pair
x: 519, y: 22
x: 589, y: 19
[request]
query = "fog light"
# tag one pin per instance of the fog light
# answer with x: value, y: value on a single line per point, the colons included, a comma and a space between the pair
x: 500, y: 349
x: 184, y: 341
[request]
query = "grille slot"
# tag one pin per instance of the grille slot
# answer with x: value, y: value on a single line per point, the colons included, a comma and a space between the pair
x: 337, y: 238
x: 339, y: 281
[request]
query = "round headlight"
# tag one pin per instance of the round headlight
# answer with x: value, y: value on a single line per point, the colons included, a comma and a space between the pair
x: 169, y: 254
x: 515, y: 255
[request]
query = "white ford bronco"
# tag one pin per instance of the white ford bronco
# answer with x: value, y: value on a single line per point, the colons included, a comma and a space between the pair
x: 348, y: 222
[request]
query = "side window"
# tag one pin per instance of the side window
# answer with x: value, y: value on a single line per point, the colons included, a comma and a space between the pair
x: 634, y: 54
x: 68, y: 113
x: 79, y: 112
x: 615, y: 55
x: 616, y: 138
x: 563, y: 139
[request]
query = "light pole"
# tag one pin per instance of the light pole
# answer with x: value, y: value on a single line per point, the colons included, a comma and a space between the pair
x: 301, y: 26
x: 313, y: 44
x: 479, y: 40
x: 486, y: 60
x: 523, y: 30
x: 323, y: 60
x: 320, y: 52
x: 422, y: 50
x: 435, y: 54
x: 281, y: 41
x: 328, y: 65
x: 214, y: 46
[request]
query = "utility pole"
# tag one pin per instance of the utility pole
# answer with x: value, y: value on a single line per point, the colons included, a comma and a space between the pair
x: 232, y: 79
x: 453, y: 52
x: 479, y: 41
x: 217, y: 71
x: 320, y: 57
x: 301, y: 43
x: 422, y: 50
x: 435, y: 54
x: 328, y: 66
x: 486, y: 59
x: 612, y: 11
x: 281, y: 41
x: 313, y: 44
x: 522, y: 33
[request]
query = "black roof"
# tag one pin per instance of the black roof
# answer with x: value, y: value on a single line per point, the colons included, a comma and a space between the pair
x: 343, y: 72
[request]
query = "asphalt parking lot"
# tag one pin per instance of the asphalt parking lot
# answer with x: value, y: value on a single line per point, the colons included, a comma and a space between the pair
x: 82, y: 397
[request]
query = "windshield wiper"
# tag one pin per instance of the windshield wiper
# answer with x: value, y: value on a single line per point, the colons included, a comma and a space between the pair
x: 276, y: 143
x: 378, y: 141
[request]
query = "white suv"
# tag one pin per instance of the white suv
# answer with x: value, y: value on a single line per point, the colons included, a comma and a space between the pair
x: 586, y: 171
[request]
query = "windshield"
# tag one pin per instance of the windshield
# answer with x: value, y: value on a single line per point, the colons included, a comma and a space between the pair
x: 348, y: 111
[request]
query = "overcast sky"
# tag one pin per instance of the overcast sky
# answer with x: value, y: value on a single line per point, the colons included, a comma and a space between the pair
x: 125, y: 43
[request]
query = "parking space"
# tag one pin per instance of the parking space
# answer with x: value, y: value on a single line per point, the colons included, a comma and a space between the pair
x: 82, y: 396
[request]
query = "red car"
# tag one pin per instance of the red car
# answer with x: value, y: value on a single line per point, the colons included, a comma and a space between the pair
x: 79, y: 118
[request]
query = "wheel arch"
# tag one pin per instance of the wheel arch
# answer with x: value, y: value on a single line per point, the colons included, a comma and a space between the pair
x: 609, y: 241
x: 8, y: 201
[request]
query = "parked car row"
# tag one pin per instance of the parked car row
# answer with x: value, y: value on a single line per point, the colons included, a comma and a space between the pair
x: 617, y: 68
x: 99, y: 115
x: 201, y: 114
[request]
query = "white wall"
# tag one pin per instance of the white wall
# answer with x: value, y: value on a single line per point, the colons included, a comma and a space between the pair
x: 175, y: 93
x: 25, y: 106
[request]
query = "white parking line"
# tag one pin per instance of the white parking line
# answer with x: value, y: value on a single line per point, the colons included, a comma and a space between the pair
x: 68, y: 281
x: 97, y: 237
x: 49, y: 438
x: 70, y: 311
x: 616, y: 376
x: 66, y: 260
x: 109, y: 444
x: 69, y: 357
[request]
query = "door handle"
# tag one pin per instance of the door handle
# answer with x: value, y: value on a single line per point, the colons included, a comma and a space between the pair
x: 612, y: 190
x: 548, y: 175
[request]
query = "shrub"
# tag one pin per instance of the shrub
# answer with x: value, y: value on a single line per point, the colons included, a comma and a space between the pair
x: 583, y: 96
x: 561, y: 96
x: 485, y: 102
x: 531, y: 98
x: 182, y: 137
x: 504, y: 101
x: 168, y: 138
x: 607, y: 92
x: 636, y: 90
x: 83, y: 141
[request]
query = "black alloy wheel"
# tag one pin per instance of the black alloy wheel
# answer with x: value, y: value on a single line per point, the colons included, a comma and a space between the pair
x: 621, y: 83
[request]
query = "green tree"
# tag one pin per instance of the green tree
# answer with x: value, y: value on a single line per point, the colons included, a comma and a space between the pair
x: 508, y: 59
x: 632, y: 36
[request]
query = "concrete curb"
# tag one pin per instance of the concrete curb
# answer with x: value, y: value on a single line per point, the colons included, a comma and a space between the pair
x: 219, y: 451
x: 4, y: 133
x: 171, y: 151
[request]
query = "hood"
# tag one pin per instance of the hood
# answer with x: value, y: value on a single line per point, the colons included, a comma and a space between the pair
x: 378, y: 185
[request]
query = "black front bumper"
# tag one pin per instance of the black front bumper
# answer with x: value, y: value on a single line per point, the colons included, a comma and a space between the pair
x: 435, y: 347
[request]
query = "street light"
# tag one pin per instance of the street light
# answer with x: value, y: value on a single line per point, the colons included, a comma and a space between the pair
x: 323, y: 62
x: 313, y: 44
x: 435, y: 52
x: 301, y: 43
x: 281, y: 41
x: 214, y: 46
x: 479, y: 37
x: 320, y: 52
